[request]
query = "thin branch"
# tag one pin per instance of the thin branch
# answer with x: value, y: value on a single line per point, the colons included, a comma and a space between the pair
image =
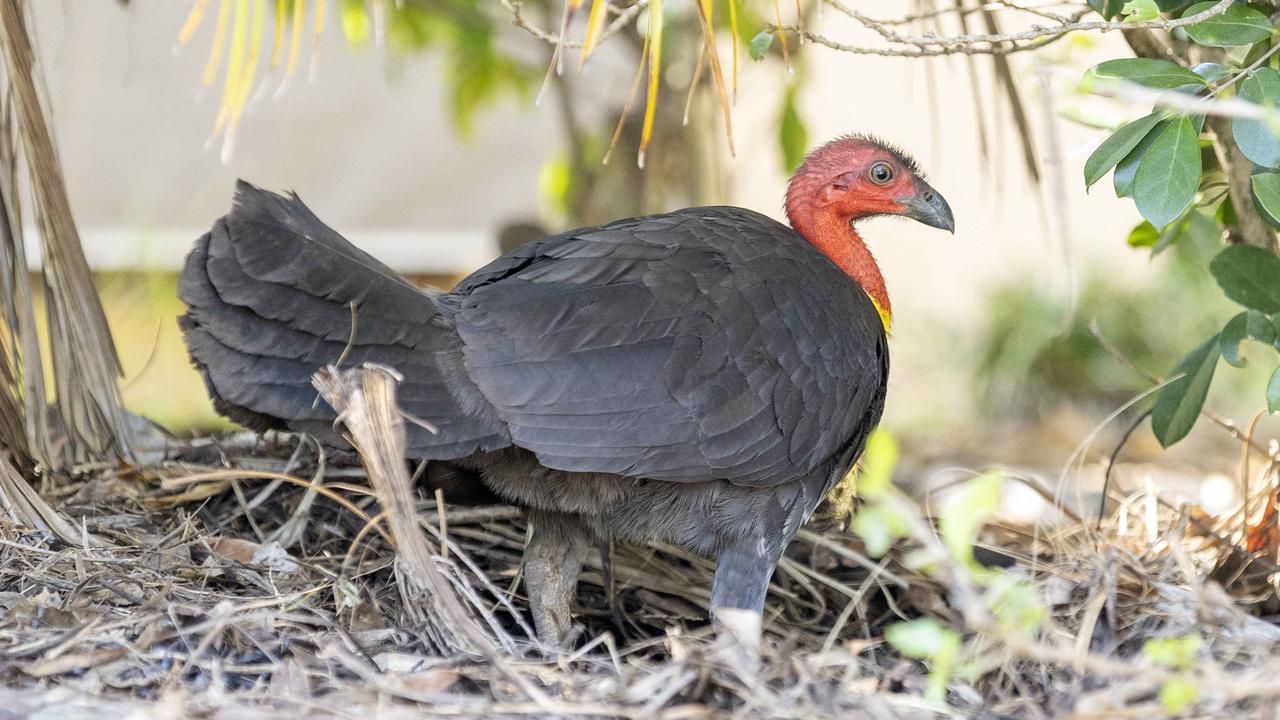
x: 625, y: 18
x: 1035, y: 33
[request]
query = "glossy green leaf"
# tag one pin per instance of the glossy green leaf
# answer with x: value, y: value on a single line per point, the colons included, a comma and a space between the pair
x: 1151, y: 73
x: 1273, y: 391
x: 1265, y: 187
x: 1140, y: 11
x: 793, y: 136
x: 1126, y: 169
x: 1212, y: 72
x: 1169, y: 174
x: 759, y: 45
x: 1250, y: 324
x: 1234, y: 333
x: 1116, y: 147
x: 1250, y: 276
x: 1262, y: 328
x: 1239, y: 24
x: 1178, y: 404
x: 1257, y: 139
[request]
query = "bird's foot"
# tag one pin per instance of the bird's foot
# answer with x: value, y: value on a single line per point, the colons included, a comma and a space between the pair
x: 738, y: 634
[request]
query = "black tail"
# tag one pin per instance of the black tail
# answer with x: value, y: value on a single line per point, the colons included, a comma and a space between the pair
x: 271, y: 296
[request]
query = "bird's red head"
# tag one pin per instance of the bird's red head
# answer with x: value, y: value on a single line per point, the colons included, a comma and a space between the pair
x: 852, y: 178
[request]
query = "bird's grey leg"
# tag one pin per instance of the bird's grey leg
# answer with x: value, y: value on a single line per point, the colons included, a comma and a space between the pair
x: 743, y: 570
x: 558, y: 545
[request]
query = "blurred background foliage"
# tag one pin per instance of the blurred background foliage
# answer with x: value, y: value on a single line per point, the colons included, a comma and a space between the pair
x: 1025, y: 362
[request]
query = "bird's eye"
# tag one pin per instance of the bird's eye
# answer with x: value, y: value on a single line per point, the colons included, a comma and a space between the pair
x: 881, y: 173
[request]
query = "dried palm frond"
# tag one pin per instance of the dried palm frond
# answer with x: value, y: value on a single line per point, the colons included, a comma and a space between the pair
x: 85, y: 364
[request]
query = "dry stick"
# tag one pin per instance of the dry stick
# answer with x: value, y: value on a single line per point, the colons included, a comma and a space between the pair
x: 625, y: 18
x: 991, y: 43
x: 1032, y: 34
x: 365, y: 400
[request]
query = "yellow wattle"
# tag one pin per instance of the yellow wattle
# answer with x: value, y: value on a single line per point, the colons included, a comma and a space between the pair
x: 885, y: 317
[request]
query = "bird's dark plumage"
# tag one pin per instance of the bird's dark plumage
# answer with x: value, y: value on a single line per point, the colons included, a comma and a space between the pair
x: 701, y: 376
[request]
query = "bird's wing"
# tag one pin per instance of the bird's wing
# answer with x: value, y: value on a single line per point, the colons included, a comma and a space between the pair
x: 711, y: 343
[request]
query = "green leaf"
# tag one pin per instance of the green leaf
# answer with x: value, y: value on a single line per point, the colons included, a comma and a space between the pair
x: 923, y: 638
x: 878, y: 462
x: 1261, y: 328
x: 1212, y: 72
x: 1016, y: 604
x: 1265, y: 187
x: 355, y: 22
x: 1256, y: 138
x: 1250, y: 276
x: 1143, y: 235
x: 1178, y: 404
x: 967, y: 511
x: 1160, y: 74
x: 759, y: 45
x: 1126, y: 169
x: 1174, y: 653
x: 928, y: 639
x: 1140, y: 11
x: 1238, y: 25
x: 1226, y: 212
x: 1178, y: 694
x: 879, y: 525
x: 1234, y: 333
x: 1169, y: 174
x: 1116, y: 147
x: 793, y: 136
x: 1273, y: 391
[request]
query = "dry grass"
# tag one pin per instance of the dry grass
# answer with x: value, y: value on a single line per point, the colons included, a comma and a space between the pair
x: 243, y: 578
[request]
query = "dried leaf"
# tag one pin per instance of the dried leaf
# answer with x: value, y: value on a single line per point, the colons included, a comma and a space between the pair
x: 236, y: 549
x: 193, y: 21
x: 722, y: 91
x: 626, y: 107
x: 654, y: 57
x: 733, y: 34
x: 595, y: 28
x: 295, y: 37
x: 219, y: 44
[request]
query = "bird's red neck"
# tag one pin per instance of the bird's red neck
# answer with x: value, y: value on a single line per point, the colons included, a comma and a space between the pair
x: 831, y: 232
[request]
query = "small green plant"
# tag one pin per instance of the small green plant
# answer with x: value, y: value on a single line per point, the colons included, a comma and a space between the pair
x: 1176, y: 653
x: 1004, y: 600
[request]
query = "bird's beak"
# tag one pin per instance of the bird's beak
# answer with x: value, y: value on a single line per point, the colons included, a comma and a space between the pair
x: 927, y: 206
